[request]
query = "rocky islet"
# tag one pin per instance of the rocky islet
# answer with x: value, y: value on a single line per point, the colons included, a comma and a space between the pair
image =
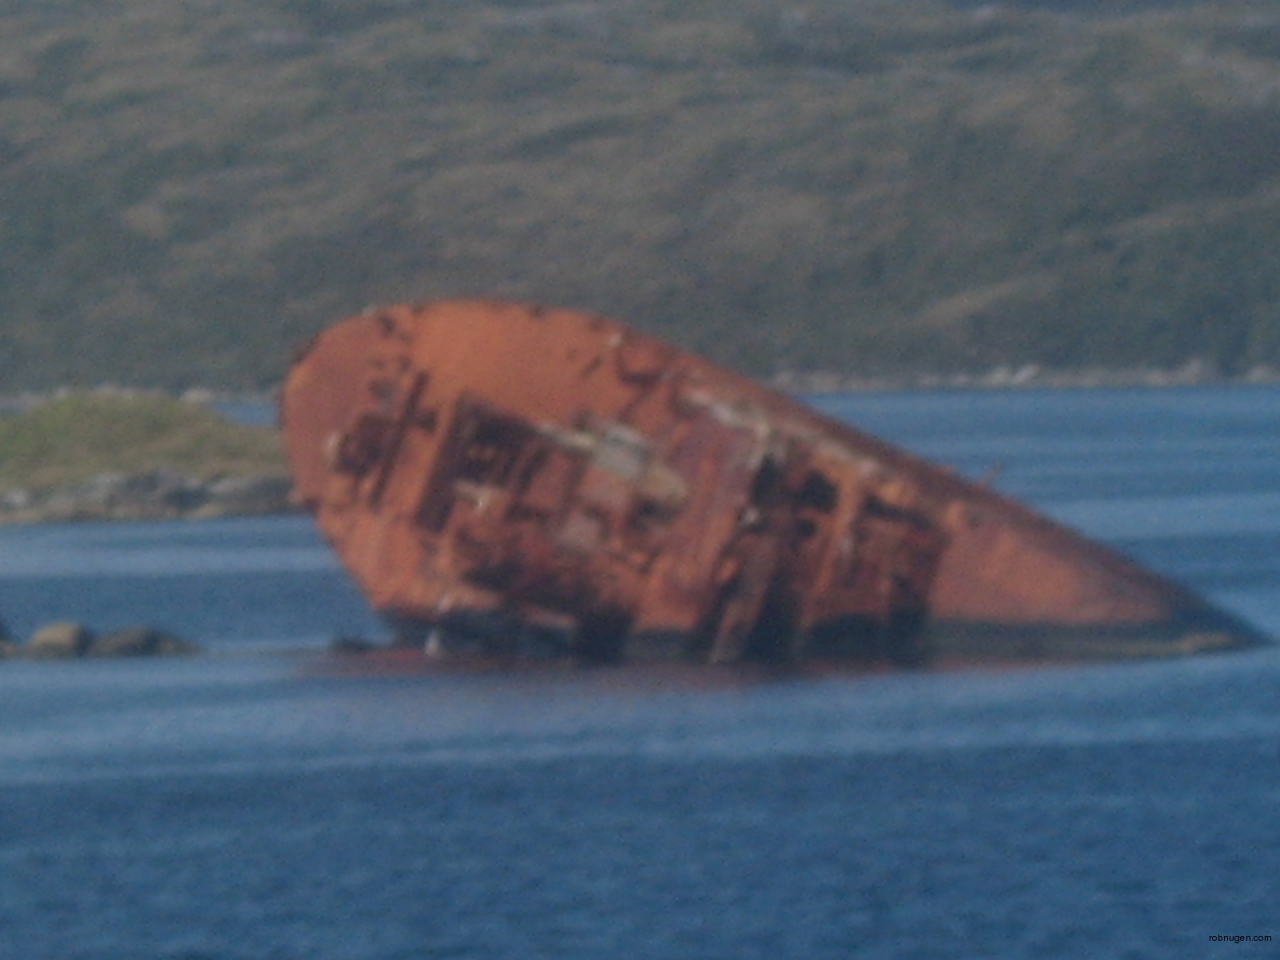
x: 71, y: 640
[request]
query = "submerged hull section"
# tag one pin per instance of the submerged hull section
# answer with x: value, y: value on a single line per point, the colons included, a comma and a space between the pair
x: 507, y: 475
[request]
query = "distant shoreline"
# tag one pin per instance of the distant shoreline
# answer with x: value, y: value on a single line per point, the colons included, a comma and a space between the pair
x: 1025, y: 377
x: 25, y: 400
x: 1028, y: 376
x: 149, y: 495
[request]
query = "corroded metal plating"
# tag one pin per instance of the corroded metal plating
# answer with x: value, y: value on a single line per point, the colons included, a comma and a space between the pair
x: 504, y: 474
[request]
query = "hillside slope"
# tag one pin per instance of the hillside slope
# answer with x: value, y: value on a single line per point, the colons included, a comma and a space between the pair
x: 191, y: 190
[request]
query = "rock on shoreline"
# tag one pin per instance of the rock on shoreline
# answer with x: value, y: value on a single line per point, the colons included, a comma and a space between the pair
x: 69, y: 640
x: 154, y: 495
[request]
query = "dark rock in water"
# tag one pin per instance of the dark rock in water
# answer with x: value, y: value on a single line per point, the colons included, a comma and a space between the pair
x: 68, y: 640
x: 59, y: 641
x: 140, y: 642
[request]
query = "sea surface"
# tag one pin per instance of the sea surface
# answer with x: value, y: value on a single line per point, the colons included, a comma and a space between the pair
x: 272, y: 800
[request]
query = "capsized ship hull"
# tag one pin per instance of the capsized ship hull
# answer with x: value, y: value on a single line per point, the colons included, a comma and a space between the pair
x: 512, y: 476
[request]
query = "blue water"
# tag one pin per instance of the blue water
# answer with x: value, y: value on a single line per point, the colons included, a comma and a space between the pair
x: 262, y: 583
x: 267, y: 800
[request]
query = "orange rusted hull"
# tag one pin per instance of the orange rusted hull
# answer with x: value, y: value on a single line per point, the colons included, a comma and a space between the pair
x: 507, y: 475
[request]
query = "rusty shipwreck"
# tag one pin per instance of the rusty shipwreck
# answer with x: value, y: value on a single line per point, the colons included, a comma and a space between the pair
x: 509, y: 478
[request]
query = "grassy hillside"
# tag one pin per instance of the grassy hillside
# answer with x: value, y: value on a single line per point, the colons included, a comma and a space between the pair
x: 69, y: 440
x: 190, y: 190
